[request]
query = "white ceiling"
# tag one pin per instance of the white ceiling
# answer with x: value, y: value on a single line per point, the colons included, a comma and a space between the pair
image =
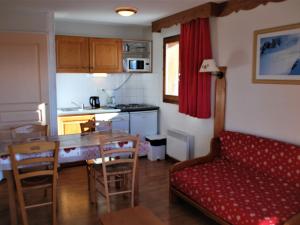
x: 102, y: 11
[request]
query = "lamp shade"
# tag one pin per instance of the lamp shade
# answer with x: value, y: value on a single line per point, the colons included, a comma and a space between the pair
x: 209, y: 65
x: 126, y: 11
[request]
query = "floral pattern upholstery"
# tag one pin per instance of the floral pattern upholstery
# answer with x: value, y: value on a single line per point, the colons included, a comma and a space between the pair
x: 238, y: 190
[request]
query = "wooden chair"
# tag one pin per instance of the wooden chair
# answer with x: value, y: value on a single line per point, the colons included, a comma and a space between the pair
x: 119, y: 170
x: 37, y: 153
x: 88, y: 127
x: 29, y: 131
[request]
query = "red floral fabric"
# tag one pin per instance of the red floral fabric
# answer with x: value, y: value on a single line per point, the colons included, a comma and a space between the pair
x: 271, y: 157
x: 238, y: 195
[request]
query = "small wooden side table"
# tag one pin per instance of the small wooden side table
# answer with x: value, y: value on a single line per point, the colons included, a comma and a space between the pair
x: 131, y: 216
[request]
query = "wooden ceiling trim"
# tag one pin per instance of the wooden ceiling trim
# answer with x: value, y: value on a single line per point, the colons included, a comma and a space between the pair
x: 237, y: 5
x: 208, y: 10
x: 202, y: 11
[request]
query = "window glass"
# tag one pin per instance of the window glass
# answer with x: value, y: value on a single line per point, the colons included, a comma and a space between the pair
x: 171, y: 69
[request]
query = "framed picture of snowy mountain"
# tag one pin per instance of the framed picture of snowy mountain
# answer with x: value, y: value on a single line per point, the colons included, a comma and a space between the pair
x: 276, y: 55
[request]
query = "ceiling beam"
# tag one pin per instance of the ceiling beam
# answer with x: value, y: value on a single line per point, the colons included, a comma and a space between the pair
x: 206, y: 10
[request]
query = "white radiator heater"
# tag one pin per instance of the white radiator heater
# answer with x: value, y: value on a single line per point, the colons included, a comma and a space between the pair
x: 180, y: 145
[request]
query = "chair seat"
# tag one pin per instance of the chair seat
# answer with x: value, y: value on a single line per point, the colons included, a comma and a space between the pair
x: 40, y: 182
x: 115, y: 169
x: 37, y: 180
x: 119, y: 169
x: 97, y: 161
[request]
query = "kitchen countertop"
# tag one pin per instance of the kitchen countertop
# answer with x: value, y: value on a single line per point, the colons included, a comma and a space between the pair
x: 90, y: 111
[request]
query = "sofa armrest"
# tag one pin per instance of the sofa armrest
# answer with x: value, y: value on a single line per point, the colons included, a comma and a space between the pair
x: 215, y: 147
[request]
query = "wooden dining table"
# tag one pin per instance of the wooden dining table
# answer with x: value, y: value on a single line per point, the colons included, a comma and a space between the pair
x: 86, y: 145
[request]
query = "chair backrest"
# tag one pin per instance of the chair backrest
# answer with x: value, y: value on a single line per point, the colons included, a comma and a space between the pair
x: 112, y: 147
x: 31, y: 162
x: 29, y: 131
x: 34, y: 155
x: 88, y: 127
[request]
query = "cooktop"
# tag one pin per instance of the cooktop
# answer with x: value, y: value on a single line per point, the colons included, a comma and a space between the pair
x: 135, y: 107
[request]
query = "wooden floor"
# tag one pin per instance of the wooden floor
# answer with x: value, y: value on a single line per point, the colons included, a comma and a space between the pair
x: 75, y: 209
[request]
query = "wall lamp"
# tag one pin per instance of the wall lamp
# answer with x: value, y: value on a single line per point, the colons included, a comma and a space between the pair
x: 209, y: 66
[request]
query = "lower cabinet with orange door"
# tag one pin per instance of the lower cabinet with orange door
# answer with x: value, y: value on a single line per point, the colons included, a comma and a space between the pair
x: 71, y: 124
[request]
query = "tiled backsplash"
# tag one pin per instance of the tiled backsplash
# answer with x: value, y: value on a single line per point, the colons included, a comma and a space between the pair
x: 79, y: 87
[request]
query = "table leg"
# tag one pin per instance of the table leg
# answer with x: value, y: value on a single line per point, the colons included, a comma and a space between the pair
x: 11, y: 197
x: 136, y: 184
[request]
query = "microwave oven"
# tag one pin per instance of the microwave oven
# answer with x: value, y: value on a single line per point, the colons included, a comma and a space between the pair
x: 138, y: 65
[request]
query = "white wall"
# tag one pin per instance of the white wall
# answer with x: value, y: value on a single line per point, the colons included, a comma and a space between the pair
x: 202, y: 129
x: 103, y: 30
x: 265, y: 109
x: 23, y: 21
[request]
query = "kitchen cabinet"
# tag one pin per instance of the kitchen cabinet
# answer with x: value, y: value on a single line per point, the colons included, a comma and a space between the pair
x: 143, y: 123
x: 71, y: 124
x: 72, y: 54
x: 105, y: 55
x: 88, y: 55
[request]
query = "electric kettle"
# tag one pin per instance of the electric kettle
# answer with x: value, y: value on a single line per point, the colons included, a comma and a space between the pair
x: 95, y: 102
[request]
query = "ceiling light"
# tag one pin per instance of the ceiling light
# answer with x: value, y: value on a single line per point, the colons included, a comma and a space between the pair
x: 126, y: 11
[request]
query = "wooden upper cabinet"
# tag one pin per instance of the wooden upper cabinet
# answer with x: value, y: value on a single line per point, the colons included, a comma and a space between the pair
x: 72, y: 54
x: 105, y: 55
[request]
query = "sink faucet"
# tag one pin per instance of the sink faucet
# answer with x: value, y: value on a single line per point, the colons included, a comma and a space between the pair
x: 78, y: 105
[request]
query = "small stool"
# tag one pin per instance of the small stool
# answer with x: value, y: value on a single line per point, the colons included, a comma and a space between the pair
x: 131, y: 216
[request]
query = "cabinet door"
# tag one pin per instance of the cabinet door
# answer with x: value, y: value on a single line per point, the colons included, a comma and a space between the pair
x: 71, y: 124
x: 143, y: 123
x: 105, y: 55
x: 72, y: 54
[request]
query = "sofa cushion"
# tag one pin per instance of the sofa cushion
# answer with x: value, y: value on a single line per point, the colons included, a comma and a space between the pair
x: 274, y: 158
x: 239, y: 196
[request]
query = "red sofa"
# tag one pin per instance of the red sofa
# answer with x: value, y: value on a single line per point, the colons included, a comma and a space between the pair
x: 245, y: 180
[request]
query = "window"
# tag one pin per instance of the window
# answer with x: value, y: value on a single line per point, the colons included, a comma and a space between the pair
x: 171, y: 69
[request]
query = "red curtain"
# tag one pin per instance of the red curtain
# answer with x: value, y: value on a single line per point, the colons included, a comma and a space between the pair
x: 194, y: 87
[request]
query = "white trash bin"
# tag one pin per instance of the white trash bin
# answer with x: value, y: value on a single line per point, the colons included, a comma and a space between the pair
x: 158, y: 147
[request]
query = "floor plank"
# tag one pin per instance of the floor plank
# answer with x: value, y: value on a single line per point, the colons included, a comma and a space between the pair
x: 74, y: 207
